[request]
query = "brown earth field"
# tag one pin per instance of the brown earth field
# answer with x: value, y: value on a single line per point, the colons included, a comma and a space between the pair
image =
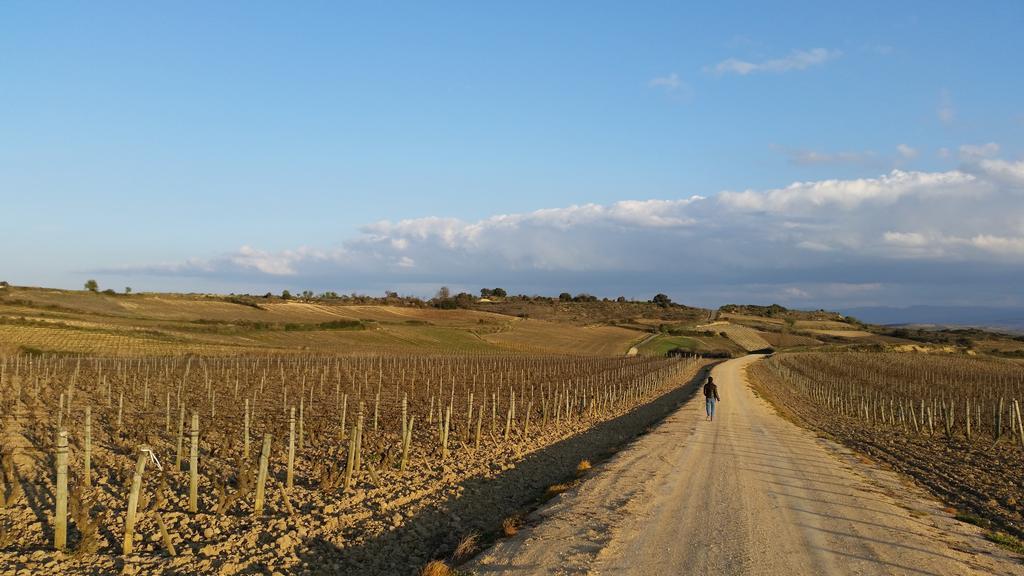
x: 494, y: 463
x: 981, y: 480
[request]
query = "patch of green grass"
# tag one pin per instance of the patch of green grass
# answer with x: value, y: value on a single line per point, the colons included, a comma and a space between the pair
x: 1006, y: 541
x: 660, y: 345
x: 332, y: 325
x: 973, y: 519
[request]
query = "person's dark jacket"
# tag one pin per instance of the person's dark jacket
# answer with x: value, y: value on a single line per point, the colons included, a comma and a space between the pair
x: 711, y: 390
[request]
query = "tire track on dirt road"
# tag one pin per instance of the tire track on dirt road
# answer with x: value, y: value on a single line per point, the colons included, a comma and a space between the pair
x: 750, y: 493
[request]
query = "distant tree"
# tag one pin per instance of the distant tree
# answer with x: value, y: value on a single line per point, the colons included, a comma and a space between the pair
x: 127, y: 289
x: 4, y: 284
x: 499, y: 292
x: 92, y: 285
x: 286, y: 295
x: 268, y: 295
x: 565, y: 297
x: 307, y: 294
x: 620, y: 299
x: 329, y: 294
x: 662, y: 300
x: 847, y: 319
x: 443, y: 293
x: 110, y: 292
x: 446, y: 304
x: 485, y: 293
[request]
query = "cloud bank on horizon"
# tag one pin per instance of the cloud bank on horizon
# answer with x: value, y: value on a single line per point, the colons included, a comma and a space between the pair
x: 838, y: 242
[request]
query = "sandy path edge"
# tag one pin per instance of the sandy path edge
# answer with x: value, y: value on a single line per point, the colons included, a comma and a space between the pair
x: 750, y: 493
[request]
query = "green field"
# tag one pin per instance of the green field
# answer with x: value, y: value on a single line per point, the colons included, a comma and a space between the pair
x: 660, y: 345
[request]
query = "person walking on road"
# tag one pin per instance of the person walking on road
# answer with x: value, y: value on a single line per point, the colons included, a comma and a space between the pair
x: 710, y: 397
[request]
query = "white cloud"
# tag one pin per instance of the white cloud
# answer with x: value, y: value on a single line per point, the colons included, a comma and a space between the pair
x: 848, y: 194
x: 978, y: 151
x: 670, y: 82
x: 1011, y: 173
x: 837, y: 240
x: 275, y: 264
x: 906, y: 239
x: 999, y: 244
x: 814, y: 245
x: 796, y: 60
x: 906, y: 152
x: 794, y: 292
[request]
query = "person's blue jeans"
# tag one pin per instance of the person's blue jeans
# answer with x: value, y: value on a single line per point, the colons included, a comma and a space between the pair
x: 711, y: 407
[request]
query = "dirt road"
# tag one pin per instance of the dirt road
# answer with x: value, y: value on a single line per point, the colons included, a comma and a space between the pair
x: 750, y: 493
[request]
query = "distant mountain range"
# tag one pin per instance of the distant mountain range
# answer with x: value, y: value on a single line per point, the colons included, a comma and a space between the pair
x: 1007, y: 319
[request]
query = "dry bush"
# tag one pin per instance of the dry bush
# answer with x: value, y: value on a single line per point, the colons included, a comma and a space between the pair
x: 510, y: 526
x: 555, y: 490
x: 437, y: 568
x: 467, y: 546
x: 583, y: 467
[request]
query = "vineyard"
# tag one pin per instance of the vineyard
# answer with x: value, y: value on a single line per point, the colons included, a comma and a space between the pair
x: 953, y: 422
x: 366, y: 464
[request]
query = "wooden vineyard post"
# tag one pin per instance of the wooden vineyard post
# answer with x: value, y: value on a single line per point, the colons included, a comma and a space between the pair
x: 359, y: 440
x: 446, y: 429
x: 351, y: 462
x: 302, y: 418
x: 508, y: 416
x: 997, y: 432
x: 60, y: 520
x: 469, y: 418
x: 1020, y: 426
x: 120, y: 409
x: 87, y: 459
x: 405, y: 415
x: 406, y: 444
x: 967, y: 411
x: 133, y: 504
x: 193, y: 459
x: 344, y: 412
x: 181, y: 438
x: 245, y: 440
x: 494, y: 410
x: 289, y: 480
x: 479, y: 425
x: 261, y: 478
x: 376, y: 409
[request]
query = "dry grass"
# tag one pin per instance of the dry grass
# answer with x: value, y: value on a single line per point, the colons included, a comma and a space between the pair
x: 437, y: 568
x: 583, y: 467
x: 466, y: 548
x: 552, y: 337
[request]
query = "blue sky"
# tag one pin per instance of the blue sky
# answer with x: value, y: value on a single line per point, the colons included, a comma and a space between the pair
x: 246, y: 146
